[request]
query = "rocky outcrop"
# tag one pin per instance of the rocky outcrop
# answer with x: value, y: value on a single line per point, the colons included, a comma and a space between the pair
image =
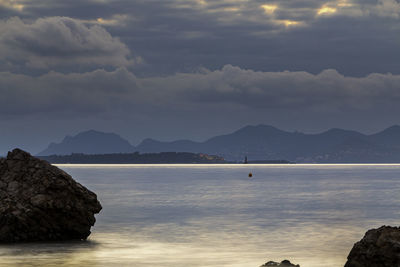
x: 40, y: 202
x: 284, y: 263
x: 378, y: 248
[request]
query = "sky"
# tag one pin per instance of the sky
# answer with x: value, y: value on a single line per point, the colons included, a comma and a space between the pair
x: 192, y: 69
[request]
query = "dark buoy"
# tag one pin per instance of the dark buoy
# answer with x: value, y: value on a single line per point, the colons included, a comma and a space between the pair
x: 250, y: 175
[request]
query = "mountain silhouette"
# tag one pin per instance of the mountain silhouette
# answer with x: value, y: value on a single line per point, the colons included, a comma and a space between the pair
x: 89, y: 142
x: 260, y: 142
x: 264, y: 142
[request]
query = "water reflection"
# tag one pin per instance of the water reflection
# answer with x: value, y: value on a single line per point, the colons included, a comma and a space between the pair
x: 215, y: 216
x: 71, y: 253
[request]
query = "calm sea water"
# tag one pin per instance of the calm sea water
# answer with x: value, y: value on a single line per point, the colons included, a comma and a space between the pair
x: 214, y: 215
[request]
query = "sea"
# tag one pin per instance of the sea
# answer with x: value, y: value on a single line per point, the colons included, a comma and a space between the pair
x: 216, y: 215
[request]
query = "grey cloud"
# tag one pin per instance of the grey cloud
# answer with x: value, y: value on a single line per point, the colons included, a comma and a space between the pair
x: 179, y: 36
x: 60, y: 41
x: 230, y: 87
x: 327, y: 91
x: 356, y: 40
x: 56, y: 93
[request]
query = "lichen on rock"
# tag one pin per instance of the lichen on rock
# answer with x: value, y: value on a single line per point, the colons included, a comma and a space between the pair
x: 40, y: 202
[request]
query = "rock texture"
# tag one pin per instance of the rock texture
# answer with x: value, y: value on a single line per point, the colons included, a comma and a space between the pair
x: 39, y: 202
x: 378, y: 248
x: 284, y: 263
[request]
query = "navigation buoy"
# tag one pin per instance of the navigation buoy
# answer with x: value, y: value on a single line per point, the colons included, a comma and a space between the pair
x: 250, y: 175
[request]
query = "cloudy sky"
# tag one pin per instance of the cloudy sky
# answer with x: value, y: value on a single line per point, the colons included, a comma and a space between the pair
x: 172, y: 69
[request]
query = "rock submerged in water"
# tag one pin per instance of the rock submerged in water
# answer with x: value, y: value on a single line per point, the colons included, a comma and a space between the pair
x: 378, y: 248
x: 284, y: 263
x: 40, y: 202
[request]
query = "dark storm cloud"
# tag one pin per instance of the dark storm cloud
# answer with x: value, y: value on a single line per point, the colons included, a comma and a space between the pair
x: 56, y: 93
x: 327, y: 92
x: 354, y: 37
x: 169, y: 32
x: 59, y: 41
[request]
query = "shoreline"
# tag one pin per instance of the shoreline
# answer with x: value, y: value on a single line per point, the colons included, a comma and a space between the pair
x: 226, y: 164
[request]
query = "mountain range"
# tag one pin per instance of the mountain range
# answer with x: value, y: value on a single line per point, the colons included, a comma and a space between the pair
x: 261, y: 142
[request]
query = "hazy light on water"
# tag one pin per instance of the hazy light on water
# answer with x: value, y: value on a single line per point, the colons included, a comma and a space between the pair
x: 202, y: 215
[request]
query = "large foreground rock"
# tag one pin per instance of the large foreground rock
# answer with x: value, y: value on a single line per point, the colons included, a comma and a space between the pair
x: 284, y: 263
x: 39, y: 202
x: 378, y: 248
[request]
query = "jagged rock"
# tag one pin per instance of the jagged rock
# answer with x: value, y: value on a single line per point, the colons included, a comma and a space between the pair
x: 40, y: 202
x: 284, y: 263
x: 378, y: 248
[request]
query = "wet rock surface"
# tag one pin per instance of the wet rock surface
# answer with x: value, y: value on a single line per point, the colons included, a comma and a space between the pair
x: 378, y: 248
x: 40, y: 202
x: 284, y: 263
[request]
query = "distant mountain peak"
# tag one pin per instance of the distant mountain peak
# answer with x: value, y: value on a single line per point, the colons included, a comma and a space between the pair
x: 263, y: 126
x: 67, y: 137
x: 94, y: 132
x: 89, y: 142
x: 340, y: 131
x: 150, y: 141
x: 393, y: 128
x: 258, y: 128
x: 336, y: 130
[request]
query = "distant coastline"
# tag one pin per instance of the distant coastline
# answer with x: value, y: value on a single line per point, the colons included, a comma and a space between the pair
x: 134, y: 158
x: 148, y: 158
